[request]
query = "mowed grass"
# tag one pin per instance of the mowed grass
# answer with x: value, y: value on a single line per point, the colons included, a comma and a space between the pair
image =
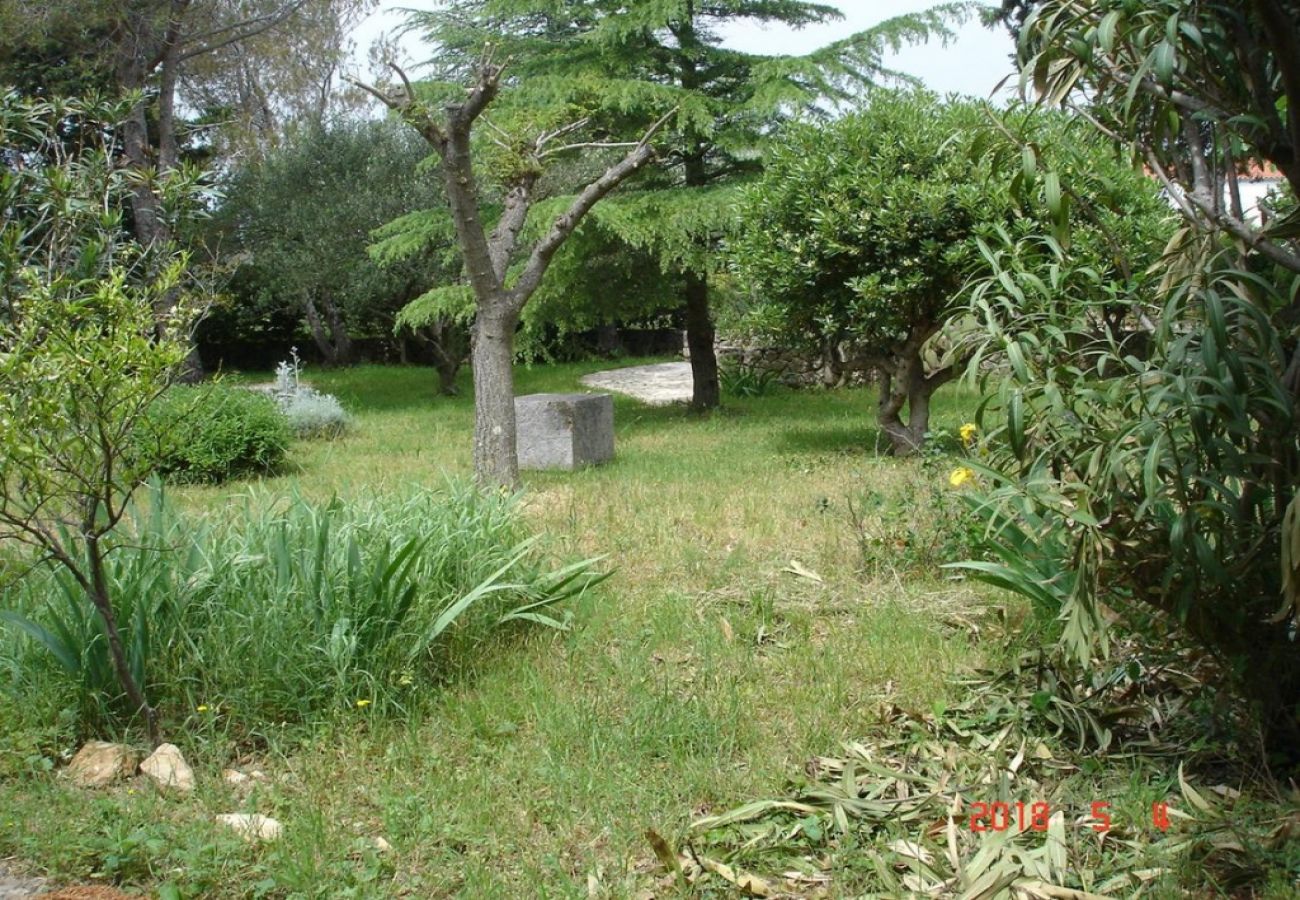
x: 703, y: 674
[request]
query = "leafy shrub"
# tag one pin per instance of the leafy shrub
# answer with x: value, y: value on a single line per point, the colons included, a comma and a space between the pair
x: 212, y: 433
x: 1152, y: 484
x: 310, y: 413
x: 283, y: 613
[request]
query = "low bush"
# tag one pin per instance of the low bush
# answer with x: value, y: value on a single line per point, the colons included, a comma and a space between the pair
x: 310, y: 413
x: 212, y: 433
x: 285, y: 612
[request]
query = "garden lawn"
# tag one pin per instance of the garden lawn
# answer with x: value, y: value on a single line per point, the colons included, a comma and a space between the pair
x: 775, y: 591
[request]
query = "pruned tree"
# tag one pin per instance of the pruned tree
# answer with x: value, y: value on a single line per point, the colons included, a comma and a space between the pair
x: 631, y: 57
x: 499, y: 294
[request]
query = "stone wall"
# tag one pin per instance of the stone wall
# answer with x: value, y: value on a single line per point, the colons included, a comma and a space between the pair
x: 792, y: 366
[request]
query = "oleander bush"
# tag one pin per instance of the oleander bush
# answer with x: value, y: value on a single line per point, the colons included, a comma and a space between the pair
x: 212, y: 433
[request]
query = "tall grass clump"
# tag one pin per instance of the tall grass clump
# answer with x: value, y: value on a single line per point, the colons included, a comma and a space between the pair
x: 287, y: 612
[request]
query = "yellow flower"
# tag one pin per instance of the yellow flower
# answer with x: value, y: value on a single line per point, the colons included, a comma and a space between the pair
x: 960, y: 476
x: 362, y: 704
x: 970, y: 433
x: 202, y: 707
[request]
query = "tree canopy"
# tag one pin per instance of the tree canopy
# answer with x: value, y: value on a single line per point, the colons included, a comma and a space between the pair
x: 861, y: 234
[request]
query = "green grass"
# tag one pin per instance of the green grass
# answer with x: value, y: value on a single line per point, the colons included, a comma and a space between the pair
x: 702, y: 675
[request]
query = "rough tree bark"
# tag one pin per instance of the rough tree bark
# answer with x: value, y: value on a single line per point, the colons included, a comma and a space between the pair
x: 497, y: 304
x: 904, y: 383
x: 705, y: 389
x: 335, y: 344
x: 706, y: 392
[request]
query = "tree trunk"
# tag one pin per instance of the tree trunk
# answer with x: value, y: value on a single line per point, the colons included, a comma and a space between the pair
x: 338, y: 331
x: 101, y: 597
x: 705, y: 392
x: 133, y: 73
x: 906, y: 385
x: 832, y: 373
x: 447, y: 371
x: 317, y: 328
x: 496, y: 461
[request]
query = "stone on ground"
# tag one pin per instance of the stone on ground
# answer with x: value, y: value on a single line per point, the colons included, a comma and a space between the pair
x: 564, y: 431
x: 99, y: 764
x: 253, y: 827
x: 168, y: 769
x: 14, y: 886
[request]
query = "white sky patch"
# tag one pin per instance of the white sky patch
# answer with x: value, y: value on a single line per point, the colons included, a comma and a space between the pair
x: 973, y: 64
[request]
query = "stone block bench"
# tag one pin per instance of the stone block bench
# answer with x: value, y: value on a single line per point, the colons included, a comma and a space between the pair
x: 564, y: 431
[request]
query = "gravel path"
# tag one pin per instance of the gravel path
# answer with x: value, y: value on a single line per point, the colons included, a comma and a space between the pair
x: 657, y: 385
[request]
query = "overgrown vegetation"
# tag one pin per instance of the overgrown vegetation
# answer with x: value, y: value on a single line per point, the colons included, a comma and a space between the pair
x: 1059, y: 716
x: 1145, y: 449
x: 282, y: 613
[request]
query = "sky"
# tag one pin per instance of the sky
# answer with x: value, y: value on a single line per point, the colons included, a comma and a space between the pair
x: 973, y: 64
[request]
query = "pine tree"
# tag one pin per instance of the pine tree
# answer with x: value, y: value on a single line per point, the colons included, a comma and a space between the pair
x: 626, y: 60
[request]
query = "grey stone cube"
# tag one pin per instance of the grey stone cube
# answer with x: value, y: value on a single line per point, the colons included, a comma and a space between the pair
x: 564, y: 431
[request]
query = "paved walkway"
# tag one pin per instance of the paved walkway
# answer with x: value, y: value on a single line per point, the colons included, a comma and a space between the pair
x: 657, y: 385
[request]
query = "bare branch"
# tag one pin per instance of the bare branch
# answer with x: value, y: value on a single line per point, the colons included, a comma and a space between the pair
x: 413, y: 113
x: 546, y: 138
x: 589, y: 145
x: 250, y: 28
x: 484, y: 91
x: 568, y: 222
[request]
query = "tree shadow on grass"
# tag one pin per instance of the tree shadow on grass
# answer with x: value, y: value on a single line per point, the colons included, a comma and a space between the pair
x: 837, y: 438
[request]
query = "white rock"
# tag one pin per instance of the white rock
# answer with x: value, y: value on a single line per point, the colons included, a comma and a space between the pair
x: 234, y: 777
x: 168, y: 769
x: 253, y: 827
x: 98, y: 764
x: 381, y: 845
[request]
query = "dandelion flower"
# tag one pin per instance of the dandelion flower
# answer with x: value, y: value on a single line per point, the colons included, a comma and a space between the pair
x: 960, y: 476
x: 969, y: 432
x: 362, y: 704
